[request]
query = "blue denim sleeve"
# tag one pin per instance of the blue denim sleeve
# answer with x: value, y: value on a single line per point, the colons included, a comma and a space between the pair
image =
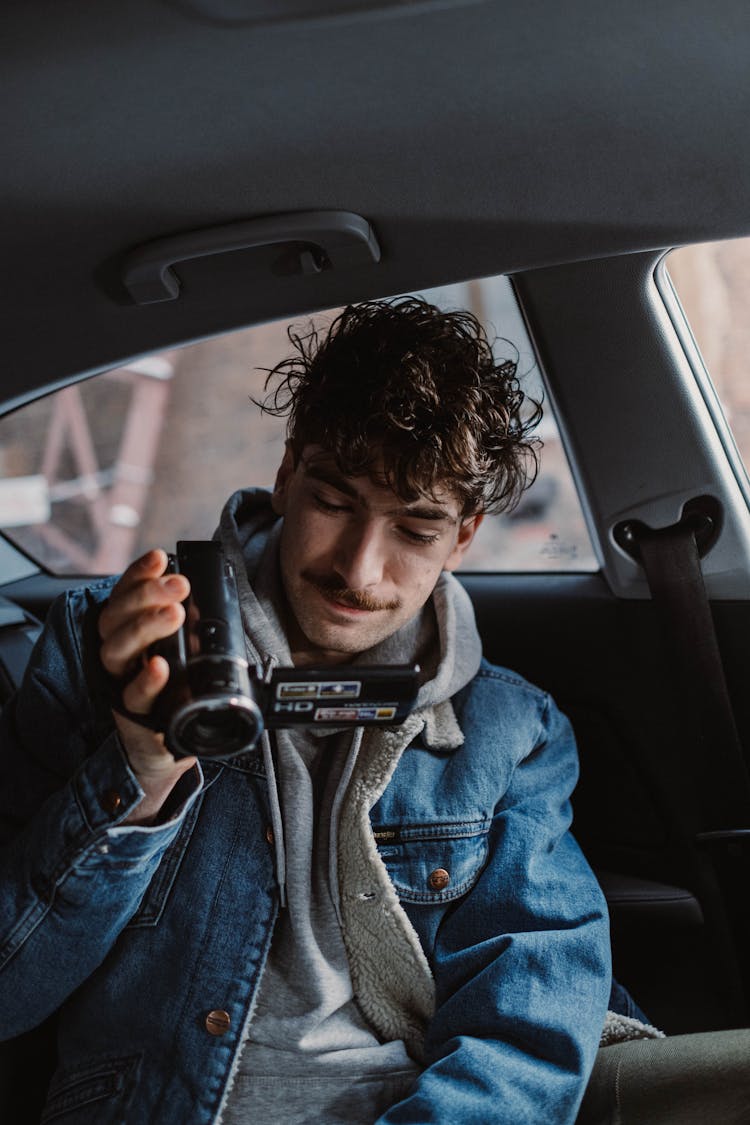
x: 521, y: 965
x: 71, y: 874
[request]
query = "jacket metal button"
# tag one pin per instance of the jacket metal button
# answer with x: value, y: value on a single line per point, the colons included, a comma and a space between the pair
x: 269, y: 834
x: 110, y: 801
x: 439, y: 879
x: 218, y: 1022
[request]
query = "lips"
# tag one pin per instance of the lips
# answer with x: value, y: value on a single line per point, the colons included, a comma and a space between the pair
x: 352, y: 601
x: 344, y: 607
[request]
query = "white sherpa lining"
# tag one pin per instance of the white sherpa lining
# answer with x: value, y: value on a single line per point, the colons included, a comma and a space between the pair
x: 619, y: 1029
x: 441, y: 729
x: 391, y: 976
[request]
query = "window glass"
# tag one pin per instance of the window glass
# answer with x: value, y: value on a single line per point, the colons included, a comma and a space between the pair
x: 145, y: 455
x: 712, y: 281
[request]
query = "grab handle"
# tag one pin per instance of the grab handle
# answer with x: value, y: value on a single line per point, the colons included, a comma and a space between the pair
x: 333, y: 239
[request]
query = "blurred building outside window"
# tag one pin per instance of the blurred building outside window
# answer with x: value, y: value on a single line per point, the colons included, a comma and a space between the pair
x: 712, y: 281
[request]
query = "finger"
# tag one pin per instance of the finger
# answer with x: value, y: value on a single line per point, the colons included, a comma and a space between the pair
x: 122, y: 648
x: 150, y: 565
x: 139, y: 695
x: 150, y: 594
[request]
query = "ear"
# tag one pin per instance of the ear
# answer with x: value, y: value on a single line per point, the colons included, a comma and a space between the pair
x: 283, y: 477
x: 466, y: 533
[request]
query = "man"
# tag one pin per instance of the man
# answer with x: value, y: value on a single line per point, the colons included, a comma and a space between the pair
x: 390, y: 925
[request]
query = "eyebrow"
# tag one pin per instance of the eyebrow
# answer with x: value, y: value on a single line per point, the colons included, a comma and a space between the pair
x: 419, y: 511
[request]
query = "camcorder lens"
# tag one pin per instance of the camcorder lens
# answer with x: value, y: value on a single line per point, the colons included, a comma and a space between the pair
x: 218, y: 731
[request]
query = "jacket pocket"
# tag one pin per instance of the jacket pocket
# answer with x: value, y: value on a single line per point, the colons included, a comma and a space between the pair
x: 98, y: 1092
x: 433, y: 863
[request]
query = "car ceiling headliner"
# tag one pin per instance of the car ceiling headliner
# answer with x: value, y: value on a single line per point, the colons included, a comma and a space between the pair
x: 476, y: 138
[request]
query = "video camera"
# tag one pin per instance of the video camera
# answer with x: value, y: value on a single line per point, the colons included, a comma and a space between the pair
x: 216, y: 704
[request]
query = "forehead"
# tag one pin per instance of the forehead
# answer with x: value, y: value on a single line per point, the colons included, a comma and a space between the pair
x: 373, y: 489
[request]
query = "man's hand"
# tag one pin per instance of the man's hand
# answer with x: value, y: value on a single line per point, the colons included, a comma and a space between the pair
x: 144, y: 607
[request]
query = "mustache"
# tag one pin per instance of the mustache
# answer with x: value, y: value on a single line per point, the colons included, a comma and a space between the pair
x: 354, y: 599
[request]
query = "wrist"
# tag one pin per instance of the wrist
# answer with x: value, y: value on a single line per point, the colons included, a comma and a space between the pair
x: 157, y: 787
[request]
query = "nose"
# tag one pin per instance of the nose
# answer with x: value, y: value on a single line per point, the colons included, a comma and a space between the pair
x: 358, y: 558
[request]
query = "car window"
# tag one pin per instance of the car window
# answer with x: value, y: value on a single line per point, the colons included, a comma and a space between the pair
x: 712, y: 283
x: 146, y: 454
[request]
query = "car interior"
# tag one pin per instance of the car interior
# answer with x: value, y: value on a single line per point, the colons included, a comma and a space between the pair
x: 179, y: 169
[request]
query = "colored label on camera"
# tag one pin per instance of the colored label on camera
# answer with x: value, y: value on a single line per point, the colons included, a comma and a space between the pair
x: 296, y: 691
x: 354, y: 714
x: 332, y: 689
x: 341, y: 689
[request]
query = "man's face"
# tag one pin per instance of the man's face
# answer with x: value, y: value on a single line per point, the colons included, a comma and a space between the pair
x: 357, y: 561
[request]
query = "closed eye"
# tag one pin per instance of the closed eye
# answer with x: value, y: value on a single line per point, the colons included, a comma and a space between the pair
x: 327, y: 506
x: 418, y: 537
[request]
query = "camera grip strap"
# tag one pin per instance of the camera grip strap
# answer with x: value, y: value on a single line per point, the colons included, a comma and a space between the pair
x: 113, y: 689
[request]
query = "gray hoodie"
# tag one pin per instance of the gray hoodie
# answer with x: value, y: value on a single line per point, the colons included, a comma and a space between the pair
x: 310, y: 1054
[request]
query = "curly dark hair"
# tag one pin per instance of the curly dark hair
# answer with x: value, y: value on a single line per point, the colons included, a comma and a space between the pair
x: 401, y: 389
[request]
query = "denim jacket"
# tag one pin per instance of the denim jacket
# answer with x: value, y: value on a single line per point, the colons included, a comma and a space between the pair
x: 150, y: 942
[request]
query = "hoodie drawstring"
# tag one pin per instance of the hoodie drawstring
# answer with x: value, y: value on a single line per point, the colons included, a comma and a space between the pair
x: 265, y: 671
x: 338, y: 800
x: 277, y: 824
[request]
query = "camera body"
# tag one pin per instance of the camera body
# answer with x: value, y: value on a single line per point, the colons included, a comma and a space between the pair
x: 209, y: 705
x: 216, y: 704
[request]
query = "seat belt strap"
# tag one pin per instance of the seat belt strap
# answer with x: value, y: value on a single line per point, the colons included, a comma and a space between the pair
x: 671, y: 561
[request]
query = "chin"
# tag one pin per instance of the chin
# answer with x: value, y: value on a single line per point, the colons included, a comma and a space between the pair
x: 341, y: 641
x: 349, y: 640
